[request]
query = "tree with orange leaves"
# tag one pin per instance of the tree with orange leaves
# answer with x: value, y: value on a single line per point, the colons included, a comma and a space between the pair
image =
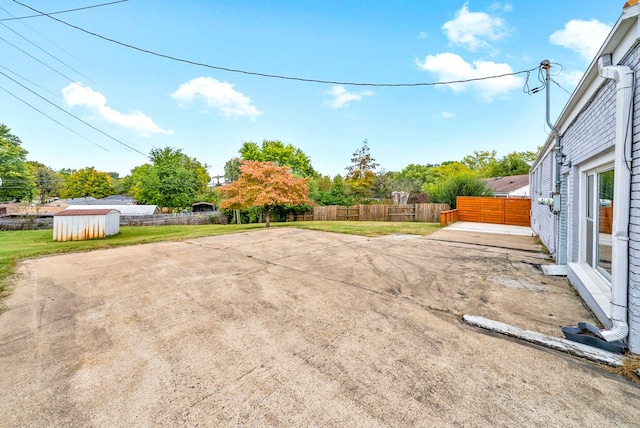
x: 265, y: 185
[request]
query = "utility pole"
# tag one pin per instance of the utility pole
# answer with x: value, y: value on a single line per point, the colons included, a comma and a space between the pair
x: 546, y: 65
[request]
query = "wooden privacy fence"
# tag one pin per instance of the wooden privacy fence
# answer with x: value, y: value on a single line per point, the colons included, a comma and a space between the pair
x: 448, y: 217
x: 510, y: 211
x: 427, y: 213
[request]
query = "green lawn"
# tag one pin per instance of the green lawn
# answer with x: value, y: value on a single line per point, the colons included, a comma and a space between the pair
x: 20, y: 245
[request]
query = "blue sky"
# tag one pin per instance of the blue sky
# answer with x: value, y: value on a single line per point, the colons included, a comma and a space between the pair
x: 145, y: 101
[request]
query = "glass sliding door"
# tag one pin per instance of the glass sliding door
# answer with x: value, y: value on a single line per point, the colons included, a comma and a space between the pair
x: 590, y: 220
x: 605, y: 222
x: 599, y: 221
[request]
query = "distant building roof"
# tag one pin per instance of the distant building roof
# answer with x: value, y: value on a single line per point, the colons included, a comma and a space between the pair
x: 124, y: 209
x: 506, y: 185
x: 118, y: 199
x: 109, y: 200
x: 77, y: 201
x: 95, y: 211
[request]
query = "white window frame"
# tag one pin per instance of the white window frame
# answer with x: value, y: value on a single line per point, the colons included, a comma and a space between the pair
x: 600, y: 164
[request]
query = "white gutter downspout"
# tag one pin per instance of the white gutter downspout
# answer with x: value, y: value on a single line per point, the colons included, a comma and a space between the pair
x: 623, y: 75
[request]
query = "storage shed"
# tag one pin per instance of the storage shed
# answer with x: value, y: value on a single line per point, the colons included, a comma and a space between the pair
x: 202, y: 207
x: 78, y: 225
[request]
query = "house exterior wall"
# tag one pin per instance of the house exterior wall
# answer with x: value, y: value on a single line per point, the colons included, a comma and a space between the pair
x: 634, y: 218
x: 543, y: 221
x: 588, y: 142
x: 587, y: 138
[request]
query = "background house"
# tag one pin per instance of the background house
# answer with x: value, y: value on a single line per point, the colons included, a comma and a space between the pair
x: 589, y: 215
x: 108, y: 200
x: 514, y: 186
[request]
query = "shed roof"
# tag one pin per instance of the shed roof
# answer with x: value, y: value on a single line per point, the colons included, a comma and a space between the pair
x: 68, y: 212
x: 508, y: 184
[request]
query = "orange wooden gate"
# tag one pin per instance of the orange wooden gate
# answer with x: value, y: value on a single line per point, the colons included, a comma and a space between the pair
x: 494, y: 210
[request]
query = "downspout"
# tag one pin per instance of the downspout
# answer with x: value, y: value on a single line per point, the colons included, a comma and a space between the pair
x: 623, y: 75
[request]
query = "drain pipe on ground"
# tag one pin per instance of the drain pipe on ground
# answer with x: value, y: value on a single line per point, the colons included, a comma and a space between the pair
x: 623, y: 75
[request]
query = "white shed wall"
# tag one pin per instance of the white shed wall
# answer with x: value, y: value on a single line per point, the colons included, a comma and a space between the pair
x: 81, y: 227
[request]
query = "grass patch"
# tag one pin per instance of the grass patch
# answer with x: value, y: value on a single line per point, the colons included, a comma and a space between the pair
x: 629, y: 370
x: 26, y: 244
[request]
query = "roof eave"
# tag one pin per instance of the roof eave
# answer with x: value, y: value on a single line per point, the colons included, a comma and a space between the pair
x: 627, y: 20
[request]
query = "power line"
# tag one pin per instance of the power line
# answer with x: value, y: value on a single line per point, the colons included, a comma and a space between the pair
x: 75, y: 117
x: 56, y: 121
x: 36, y: 59
x: 38, y: 47
x: 560, y: 86
x: 28, y: 81
x: 272, y: 76
x: 64, y: 11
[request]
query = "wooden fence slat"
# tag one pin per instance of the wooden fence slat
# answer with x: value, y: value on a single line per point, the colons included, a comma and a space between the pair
x: 517, y: 212
x: 428, y: 213
x: 512, y: 211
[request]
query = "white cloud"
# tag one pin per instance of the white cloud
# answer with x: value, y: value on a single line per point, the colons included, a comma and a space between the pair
x: 219, y: 95
x: 341, y: 96
x: 474, y: 30
x: 447, y: 115
x: 583, y: 37
x: 506, y: 7
x: 569, y: 78
x: 423, y: 35
x: 451, y: 67
x: 75, y: 94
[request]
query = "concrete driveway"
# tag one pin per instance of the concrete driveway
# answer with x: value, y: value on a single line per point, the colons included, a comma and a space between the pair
x: 286, y: 327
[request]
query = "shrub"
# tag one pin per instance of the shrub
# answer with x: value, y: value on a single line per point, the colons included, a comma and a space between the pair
x: 447, y: 190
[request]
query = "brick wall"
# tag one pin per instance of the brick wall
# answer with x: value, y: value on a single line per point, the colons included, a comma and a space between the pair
x: 542, y: 219
x: 634, y: 220
x: 591, y: 135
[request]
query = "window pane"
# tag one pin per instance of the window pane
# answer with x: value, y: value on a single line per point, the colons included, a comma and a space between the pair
x: 605, y: 221
x: 590, y: 196
x: 590, y: 241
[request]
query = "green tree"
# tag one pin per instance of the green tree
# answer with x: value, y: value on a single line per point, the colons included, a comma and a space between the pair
x: 87, y: 182
x: 446, y: 190
x: 514, y: 163
x: 48, y: 182
x: 266, y: 186
x: 360, y: 174
x: 384, y: 184
x: 413, y: 177
x: 446, y: 170
x: 326, y: 191
x: 65, y: 172
x: 17, y: 175
x: 339, y: 194
x: 232, y: 169
x: 281, y: 155
x: 480, y: 162
x: 172, y: 180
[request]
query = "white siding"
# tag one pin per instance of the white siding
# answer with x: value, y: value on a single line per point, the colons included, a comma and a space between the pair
x: 85, y: 226
x: 543, y: 221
